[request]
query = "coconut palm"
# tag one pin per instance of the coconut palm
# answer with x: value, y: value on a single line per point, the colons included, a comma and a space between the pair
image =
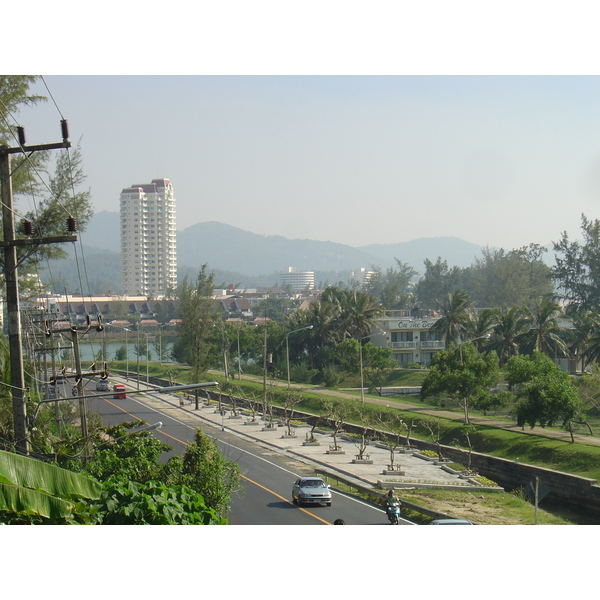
x: 584, y: 338
x: 457, y: 318
x: 587, y: 334
x: 359, y: 311
x: 543, y: 331
x: 510, y: 325
x: 482, y: 326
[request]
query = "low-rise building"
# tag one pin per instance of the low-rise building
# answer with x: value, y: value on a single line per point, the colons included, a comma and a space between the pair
x: 409, y: 337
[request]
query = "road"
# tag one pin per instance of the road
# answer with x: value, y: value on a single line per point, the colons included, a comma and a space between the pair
x: 267, y: 475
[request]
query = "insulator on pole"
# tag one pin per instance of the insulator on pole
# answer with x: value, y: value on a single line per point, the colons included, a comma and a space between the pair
x: 27, y: 226
x: 21, y: 135
x: 71, y: 224
x: 64, y: 126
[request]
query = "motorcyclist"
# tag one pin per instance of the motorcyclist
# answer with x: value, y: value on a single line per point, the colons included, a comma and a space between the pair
x: 389, y: 500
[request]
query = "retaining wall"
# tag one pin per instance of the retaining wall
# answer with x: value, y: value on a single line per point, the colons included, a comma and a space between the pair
x: 581, y: 494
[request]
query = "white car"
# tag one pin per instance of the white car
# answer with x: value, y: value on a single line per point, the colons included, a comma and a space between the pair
x: 102, y: 385
x: 311, y: 490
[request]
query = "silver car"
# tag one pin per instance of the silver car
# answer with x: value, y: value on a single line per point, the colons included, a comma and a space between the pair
x: 311, y: 490
x: 102, y: 385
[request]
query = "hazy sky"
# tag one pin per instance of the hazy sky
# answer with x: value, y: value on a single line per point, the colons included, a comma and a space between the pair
x: 495, y: 160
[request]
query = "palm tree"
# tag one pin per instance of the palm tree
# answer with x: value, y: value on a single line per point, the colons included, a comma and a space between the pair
x: 482, y: 327
x: 584, y: 338
x: 587, y: 339
x: 358, y: 312
x: 510, y: 325
x: 457, y: 311
x: 544, y: 332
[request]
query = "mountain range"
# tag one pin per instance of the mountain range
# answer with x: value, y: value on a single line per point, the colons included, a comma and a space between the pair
x: 239, y: 256
x: 233, y: 249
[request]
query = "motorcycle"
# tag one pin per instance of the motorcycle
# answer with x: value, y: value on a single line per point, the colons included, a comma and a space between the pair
x: 393, y: 513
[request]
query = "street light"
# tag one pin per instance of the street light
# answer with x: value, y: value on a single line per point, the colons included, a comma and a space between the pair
x: 138, y: 357
x: 126, y: 355
x: 362, y: 387
x: 287, y: 350
x: 485, y: 336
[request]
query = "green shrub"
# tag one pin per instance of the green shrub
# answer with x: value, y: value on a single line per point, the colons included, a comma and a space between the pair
x: 430, y: 453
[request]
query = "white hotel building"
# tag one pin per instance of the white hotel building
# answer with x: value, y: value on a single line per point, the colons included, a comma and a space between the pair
x: 148, y: 248
x: 408, y: 337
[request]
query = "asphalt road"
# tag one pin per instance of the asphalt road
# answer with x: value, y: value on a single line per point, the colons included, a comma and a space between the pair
x: 267, y: 475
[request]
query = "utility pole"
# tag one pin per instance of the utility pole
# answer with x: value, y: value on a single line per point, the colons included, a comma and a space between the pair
x: 73, y: 332
x: 11, y: 262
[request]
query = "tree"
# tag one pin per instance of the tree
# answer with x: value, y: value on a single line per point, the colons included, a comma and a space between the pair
x: 208, y: 472
x: 394, y: 426
x: 198, y: 315
x: 337, y: 412
x: 14, y: 94
x: 577, y: 268
x: 437, y: 282
x: 433, y: 426
x: 457, y: 317
x: 393, y: 288
x: 463, y: 375
x: 543, y: 332
x: 51, y: 213
x: 502, y: 279
x: 505, y: 335
x: 366, y: 419
x: 128, y: 455
x: 545, y: 394
x: 290, y: 401
x: 355, y: 311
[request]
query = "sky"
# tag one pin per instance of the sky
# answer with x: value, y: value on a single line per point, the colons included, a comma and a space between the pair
x: 359, y: 127
x: 497, y: 160
x: 347, y: 121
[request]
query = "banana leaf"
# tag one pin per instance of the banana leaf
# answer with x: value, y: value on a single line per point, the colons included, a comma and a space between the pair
x: 22, y: 500
x: 39, y: 487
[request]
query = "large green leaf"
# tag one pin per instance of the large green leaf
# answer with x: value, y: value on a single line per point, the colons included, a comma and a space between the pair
x: 18, y: 499
x: 28, y: 473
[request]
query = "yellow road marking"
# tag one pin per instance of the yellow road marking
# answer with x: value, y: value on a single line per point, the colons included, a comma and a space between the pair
x: 242, y: 476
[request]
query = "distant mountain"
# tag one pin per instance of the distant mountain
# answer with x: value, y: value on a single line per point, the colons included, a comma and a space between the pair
x: 233, y: 249
x: 241, y: 256
x: 103, y: 232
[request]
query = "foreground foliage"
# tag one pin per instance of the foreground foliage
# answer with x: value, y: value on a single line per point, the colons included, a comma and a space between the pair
x: 31, y: 490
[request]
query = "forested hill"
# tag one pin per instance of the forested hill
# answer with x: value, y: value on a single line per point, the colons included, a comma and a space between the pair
x: 229, y: 248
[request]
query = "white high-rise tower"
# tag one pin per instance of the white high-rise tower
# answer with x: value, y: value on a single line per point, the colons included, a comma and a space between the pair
x: 148, y: 248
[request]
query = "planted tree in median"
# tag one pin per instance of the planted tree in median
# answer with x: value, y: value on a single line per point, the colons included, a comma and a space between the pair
x: 337, y: 412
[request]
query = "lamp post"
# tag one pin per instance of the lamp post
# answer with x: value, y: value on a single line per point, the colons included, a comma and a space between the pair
x: 485, y: 336
x: 239, y: 354
x: 287, y: 350
x: 362, y: 390
x: 138, y: 358
x: 126, y: 355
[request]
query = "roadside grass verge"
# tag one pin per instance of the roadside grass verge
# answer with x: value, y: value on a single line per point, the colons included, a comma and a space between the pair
x: 481, y: 507
x: 578, y: 459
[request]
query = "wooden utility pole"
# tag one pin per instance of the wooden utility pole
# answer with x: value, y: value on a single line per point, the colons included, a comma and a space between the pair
x: 11, y: 262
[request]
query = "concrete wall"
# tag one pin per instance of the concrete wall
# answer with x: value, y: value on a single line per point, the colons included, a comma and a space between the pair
x: 578, y: 493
